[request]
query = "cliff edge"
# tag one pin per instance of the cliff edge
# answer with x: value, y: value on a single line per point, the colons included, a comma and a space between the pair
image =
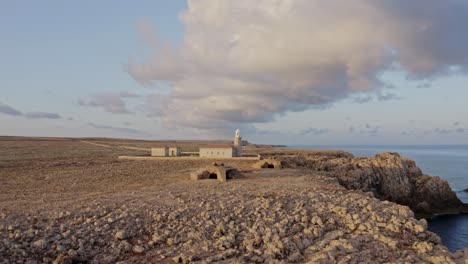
x: 389, y: 177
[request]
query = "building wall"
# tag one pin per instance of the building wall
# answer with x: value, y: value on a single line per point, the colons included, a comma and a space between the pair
x: 237, y: 151
x: 237, y: 141
x: 174, y: 152
x: 159, y: 152
x: 216, y: 152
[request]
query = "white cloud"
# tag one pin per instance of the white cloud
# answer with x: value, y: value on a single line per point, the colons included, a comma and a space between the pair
x: 111, y: 102
x: 123, y: 130
x: 8, y: 110
x: 40, y: 115
x: 244, y: 62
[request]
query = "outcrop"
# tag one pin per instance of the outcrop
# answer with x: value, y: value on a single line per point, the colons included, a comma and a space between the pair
x: 69, y: 202
x: 306, y: 218
x: 389, y: 177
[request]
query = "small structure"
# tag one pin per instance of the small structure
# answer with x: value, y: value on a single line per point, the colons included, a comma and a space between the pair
x: 219, y: 173
x: 166, y: 152
x: 269, y: 163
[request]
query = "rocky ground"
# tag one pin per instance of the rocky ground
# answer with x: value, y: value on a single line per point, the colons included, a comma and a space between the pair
x: 388, y: 175
x: 71, y: 202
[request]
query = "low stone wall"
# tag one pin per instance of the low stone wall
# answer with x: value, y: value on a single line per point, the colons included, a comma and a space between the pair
x: 182, y: 158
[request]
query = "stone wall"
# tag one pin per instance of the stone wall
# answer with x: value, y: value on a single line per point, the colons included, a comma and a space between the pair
x: 159, y: 152
x: 174, y: 152
x: 216, y: 152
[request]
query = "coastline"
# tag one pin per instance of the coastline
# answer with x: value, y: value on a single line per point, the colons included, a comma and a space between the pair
x: 458, y: 207
x: 83, y: 204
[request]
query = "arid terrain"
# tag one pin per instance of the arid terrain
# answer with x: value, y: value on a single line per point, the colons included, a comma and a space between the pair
x: 74, y: 201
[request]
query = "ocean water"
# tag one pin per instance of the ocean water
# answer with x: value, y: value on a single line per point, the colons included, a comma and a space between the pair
x: 447, y: 162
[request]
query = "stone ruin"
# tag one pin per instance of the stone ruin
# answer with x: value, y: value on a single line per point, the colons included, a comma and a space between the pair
x: 269, y: 163
x: 215, y: 172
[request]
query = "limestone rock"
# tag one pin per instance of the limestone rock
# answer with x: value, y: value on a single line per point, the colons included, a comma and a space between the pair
x: 121, y: 235
x: 138, y: 249
x: 390, y: 177
x: 269, y: 163
x: 41, y: 244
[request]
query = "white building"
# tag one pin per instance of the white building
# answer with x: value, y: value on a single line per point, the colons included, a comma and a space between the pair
x: 166, y: 151
x: 218, y: 151
x: 223, y: 151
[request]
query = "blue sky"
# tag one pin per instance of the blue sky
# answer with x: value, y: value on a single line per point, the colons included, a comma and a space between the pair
x: 90, y: 68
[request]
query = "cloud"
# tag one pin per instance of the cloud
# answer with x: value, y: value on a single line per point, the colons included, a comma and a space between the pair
x: 110, y: 102
x: 380, y: 96
x: 388, y: 97
x: 372, y: 131
x: 424, y: 85
x: 42, y: 115
x: 362, y: 99
x: 456, y: 123
x: 124, y: 130
x: 365, y: 129
x: 125, y: 94
x: 154, y: 105
x: 243, y: 63
x: 445, y: 131
x: 442, y: 131
x: 314, y: 131
x: 148, y: 32
x: 8, y: 110
x: 410, y: 132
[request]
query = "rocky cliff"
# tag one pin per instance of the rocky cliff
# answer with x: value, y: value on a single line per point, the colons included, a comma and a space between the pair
x: 389, y: 176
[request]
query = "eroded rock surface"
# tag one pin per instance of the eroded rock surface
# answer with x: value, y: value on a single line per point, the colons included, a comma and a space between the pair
x: 259, y: 219
x: 68, y: 202
x: 389, y: 176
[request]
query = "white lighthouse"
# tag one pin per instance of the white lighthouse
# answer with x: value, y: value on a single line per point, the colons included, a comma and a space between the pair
x: 238, y: 143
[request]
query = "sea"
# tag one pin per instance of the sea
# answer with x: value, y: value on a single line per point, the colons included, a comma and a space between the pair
x: 449, y: 162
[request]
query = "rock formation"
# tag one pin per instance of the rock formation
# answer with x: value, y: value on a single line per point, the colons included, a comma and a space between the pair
x: 390, y: 177
x: 306, y: 218
x: 268, y: 163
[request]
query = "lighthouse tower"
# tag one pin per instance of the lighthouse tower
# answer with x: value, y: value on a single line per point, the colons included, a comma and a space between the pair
x: 238, y: 143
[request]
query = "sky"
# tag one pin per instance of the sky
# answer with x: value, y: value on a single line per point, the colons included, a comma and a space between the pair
x: 294, y: 72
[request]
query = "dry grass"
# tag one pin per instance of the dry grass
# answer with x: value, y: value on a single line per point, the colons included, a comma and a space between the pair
x: 43, y: 173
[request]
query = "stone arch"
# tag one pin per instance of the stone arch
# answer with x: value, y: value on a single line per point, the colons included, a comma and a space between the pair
x: 268, y: 164
x: 219, y: 173
x: 210, y: 172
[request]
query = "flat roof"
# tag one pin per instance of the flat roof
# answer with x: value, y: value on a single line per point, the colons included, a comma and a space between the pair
x: 217, y: 146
